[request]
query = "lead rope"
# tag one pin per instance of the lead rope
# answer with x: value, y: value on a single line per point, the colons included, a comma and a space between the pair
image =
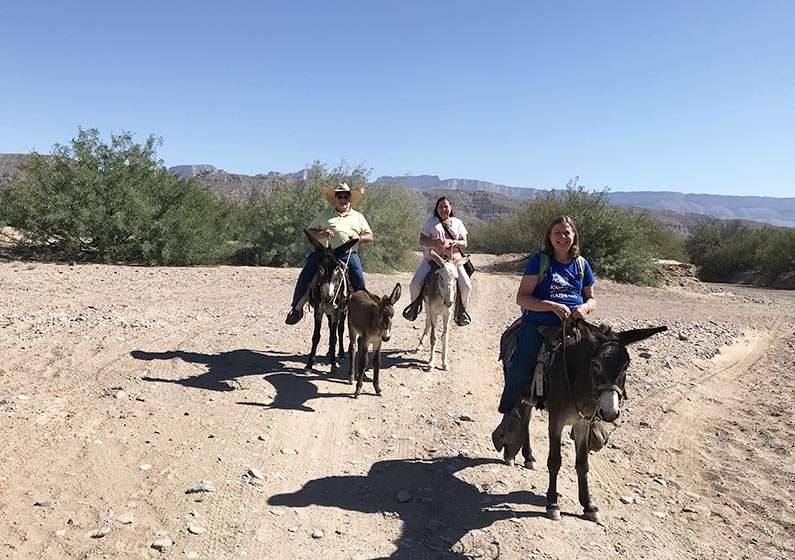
x: 344, y: 282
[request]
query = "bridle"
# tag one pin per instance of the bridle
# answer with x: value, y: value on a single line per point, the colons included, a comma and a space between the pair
x: 596, y: 388
x: 342, y: 286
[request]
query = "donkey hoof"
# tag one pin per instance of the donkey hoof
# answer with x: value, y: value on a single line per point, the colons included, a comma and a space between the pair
x: 591, y: 514
x: 378, y: 391
x: 530, y: 464
x: 553, y: 512
x: 508, y: 462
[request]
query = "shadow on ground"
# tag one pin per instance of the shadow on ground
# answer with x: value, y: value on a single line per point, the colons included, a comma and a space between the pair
x: 442, y: 509
x: 293, y: 384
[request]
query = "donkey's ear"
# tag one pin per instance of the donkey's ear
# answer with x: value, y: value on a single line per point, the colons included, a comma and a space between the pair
x: 550, y: 332
x: 315, y: 243
x: 395, y: 294
x: 345, y: 247
x: 439, y: 260
x: 636, y: 335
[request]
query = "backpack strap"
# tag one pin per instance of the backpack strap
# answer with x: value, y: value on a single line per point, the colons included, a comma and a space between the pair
x: 543, y: 266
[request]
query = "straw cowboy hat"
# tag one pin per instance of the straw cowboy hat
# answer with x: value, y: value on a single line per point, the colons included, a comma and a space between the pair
x: 356, y: 194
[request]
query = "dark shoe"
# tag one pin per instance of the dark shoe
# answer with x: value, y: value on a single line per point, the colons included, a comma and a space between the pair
x: 462, y: 319
x: 413, y: 309
x: 294, y: 316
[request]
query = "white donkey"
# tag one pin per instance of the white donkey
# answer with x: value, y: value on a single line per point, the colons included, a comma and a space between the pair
x: 439, y: 298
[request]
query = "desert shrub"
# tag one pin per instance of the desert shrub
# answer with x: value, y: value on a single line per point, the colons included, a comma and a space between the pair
x: 732, y: 251
x: 114, y: 202
x: 272, y: 227
x: 620, y: 243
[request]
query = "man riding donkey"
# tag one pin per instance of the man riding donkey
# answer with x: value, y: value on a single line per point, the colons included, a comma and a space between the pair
x: 333, y: 227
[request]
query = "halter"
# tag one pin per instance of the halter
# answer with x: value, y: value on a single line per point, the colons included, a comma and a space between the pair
x: 595, y: 388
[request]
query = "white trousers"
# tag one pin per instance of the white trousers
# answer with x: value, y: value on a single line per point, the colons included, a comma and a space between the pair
x: 464, y: 282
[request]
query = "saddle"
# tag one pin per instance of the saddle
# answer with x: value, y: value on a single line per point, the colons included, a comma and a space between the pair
x: 413, y: 309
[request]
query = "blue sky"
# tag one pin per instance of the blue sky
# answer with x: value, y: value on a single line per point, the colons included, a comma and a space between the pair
x: 634, y: 95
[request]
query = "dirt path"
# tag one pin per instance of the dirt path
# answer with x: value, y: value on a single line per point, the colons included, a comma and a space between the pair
x: 124, y: 387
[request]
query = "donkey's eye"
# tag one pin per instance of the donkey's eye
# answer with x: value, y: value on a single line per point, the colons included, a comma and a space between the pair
x: 596, y: 365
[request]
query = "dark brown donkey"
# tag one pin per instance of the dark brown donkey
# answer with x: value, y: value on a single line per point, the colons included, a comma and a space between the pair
x: 369, y: 323
x: 585, y: 385
x: 328, y: 295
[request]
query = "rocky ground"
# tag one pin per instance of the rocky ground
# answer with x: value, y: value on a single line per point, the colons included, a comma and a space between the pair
x: 166, y: 413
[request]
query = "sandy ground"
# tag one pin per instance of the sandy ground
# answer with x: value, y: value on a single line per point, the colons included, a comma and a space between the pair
x: 123, y: 387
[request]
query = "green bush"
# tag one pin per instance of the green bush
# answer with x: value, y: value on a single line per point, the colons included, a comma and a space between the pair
x: 114, y: 202
x: 271, y: 228
x: 732, y: 251
x: 620, y: 243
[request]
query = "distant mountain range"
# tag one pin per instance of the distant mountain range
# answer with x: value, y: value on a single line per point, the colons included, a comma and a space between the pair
x: 769, y: 210
x: 680, y: 211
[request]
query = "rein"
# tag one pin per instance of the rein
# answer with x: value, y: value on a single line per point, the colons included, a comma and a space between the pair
x: 344, y: 282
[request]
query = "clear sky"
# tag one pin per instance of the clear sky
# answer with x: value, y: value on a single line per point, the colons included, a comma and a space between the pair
x: 692, y: 96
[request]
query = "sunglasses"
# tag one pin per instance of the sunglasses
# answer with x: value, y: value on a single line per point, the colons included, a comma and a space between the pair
x: 342, y: 195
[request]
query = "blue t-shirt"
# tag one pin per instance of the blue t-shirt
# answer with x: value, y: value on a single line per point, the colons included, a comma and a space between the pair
x: 560, y: 284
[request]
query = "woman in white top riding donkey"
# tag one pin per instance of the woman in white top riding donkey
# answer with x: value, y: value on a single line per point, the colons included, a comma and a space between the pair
x: 446, y: 235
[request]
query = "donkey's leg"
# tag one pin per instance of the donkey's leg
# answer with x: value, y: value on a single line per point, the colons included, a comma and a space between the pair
x: 425, y: 331
x: 553, y: 464
x: 341, y: 333
x: 361, y: 363
x: 351, y: 355
x: 590, y: 512
x: 445, y: 336
x: 376, y: 366
x: 527, y: 449
x: 332, y: 342
x: 432, y: 358
x: 315, y: 339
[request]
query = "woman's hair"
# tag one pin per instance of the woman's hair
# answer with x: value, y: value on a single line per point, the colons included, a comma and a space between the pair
x: 436, y: 207
x: 546, y: 244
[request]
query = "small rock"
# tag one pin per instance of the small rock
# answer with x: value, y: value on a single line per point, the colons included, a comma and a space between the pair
x: 145, y: 466
x: 60, y: 532
x: 689, y: 509
x: 203, y: 486
x: 403, y: 497
x: 126, y: 518
x: 289, y: 451
x: 682, y: 337
x: 261, y: 437
x: 162, y: 544
x: 661, y: 481
x: 644, y: 355
x: 293, y: 529
x: 255, y: 473
x: 99, y: 533
x: 318, y: 534
x: 466, y: 418
x: 194, y: 529
x: 659, y: 514
x: 119, y: 395
x: 627, y: 499
x: 191, y: 556
x: 43, y: 503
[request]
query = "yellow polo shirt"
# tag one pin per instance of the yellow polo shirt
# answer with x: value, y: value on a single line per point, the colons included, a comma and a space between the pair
x: 344, y: 226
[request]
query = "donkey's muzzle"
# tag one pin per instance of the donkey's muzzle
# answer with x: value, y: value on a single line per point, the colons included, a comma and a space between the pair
x: 608, y: 408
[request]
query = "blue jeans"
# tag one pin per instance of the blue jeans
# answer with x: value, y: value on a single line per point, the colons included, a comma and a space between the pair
x: 517, y: 376
x: 355, y: 274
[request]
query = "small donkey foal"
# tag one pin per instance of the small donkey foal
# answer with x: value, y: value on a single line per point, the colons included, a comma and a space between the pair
x: 369, y: 323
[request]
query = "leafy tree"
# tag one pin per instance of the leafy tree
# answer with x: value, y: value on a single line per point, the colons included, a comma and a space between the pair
x: 272, y: 227
x: 620, y: 243
x: 114, y: 202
